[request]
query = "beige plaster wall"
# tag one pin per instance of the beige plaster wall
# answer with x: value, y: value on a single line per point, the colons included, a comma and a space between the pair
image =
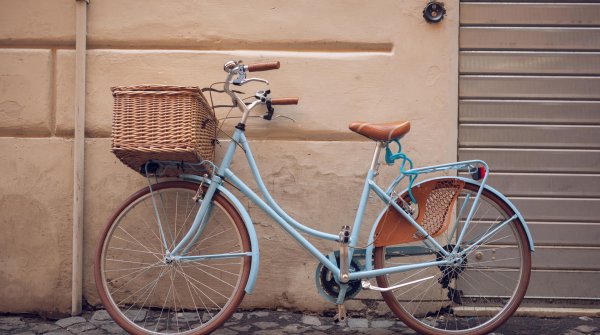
x: 346, y: 60
x: 35, y: 225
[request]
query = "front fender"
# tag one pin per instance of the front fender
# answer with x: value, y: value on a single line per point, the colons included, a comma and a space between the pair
x: 466, y: 180
x: 247, y: 222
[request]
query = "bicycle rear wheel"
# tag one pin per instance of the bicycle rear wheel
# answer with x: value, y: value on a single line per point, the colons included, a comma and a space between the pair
x: 143, y: 291
x: 475, y: 295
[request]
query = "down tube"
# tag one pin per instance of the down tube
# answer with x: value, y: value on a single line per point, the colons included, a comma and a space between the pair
x: 272, y: 203
x: 235, y: 181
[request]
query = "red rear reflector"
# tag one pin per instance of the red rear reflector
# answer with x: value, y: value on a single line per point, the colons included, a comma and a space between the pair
x: 482, y: 172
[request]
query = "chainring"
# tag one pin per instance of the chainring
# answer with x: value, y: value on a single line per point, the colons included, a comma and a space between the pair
x: 329, y: 288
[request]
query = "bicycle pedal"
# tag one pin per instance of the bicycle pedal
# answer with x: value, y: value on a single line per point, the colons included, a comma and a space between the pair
x: 340, y: 317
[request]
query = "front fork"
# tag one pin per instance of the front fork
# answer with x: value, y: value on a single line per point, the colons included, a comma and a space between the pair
x: 200, y: 221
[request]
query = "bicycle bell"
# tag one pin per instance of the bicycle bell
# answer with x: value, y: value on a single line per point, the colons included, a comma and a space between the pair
x: 434, y: 12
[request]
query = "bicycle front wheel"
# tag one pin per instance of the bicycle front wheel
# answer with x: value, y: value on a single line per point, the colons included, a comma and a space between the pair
x: 145, y: 291
x: 476, y: 294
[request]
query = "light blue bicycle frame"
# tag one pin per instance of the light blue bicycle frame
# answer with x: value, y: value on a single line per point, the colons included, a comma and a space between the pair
x: 295, y: 228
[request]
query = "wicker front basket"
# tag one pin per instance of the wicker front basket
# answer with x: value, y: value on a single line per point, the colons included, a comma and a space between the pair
x: 158, y: 122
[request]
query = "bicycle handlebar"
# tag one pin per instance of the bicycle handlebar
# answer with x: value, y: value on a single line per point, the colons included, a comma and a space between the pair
x: 263, y: 66
x: 237, y: 68
x: 285, y: 101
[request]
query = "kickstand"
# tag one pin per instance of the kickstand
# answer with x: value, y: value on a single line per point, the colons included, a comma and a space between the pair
x: 340, y: 317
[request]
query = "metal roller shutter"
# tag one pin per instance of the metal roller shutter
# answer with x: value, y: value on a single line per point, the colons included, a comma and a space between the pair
x: 529, y: 104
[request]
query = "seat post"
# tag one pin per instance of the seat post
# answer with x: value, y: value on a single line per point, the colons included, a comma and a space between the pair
x: 375, y: 162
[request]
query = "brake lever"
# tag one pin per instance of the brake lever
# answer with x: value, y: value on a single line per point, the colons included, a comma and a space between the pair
x: 241, y: 79
x: 244, y: 81
x: 270, y: 110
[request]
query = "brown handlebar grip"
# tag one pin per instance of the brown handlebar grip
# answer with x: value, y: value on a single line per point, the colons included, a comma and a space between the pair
x: 285, y: 101
x: 263, y: 66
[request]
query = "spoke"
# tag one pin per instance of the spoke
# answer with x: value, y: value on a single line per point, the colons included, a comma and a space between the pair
x: 194, y: 264
x: 504, y: 274
x: 152, y: 293
x: 150, y: 289
x: 482, y: 217
x: 172, y: 276
x: 217, y: 234
x: 493, y: 278
x: 494, y: 241
x: 132, y: 279
x: 230, y: 250
x: 423, y: 292
x: 151, y: 226
x: 488, y: 248
x: 487, y: 239
x: 132, y: 262
x: 480, y: 202
x: 143, y: 218
x: 135, y: 250
x: 192, y: 297
x: 474, y: 309
x: 127, y: 269
x: 124, y: 285
x: 458, y: 218
x: 185, y: 222
x: 476, y: 292
x: 166, y: 217
x: 138, y: 242
x: 191, y: 280
x: 410, y: 277
x: 208, y: 287
x: 215, y: 277
x: 202, y: 262
x: 197, y: 290
x: 475, y: 248
x: 469, y: 265
x: 138, y: 270
x: 175, y: 218
x: 162, y: 311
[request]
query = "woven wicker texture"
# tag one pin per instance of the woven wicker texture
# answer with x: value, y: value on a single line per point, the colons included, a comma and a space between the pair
x: 436, y: 201
x: 437, y: 206
x: 158, y: 122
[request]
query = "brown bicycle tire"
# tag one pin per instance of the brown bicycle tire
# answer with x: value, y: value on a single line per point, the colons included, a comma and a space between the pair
x: 233, y: 302
x: 496, y: 321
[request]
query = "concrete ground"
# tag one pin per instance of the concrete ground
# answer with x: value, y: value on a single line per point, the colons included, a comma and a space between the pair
x: 268, y: 322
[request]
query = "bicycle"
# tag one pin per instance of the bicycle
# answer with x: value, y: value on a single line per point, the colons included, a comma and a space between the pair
x: 450, y: 255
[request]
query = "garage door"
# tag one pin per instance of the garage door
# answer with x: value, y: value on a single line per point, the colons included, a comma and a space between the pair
x: 529, y: 105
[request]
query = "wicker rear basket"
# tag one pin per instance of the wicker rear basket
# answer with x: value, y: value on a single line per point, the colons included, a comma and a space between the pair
x: 158, y: 122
